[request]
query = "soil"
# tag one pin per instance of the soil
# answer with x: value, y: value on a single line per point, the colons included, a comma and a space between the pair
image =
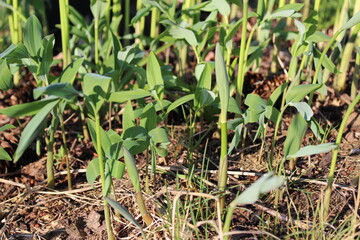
x: 28, y: 210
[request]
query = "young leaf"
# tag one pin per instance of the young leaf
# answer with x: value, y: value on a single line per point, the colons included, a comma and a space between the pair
x: 222, y: 79
x: 132, y: 170
x: 62, y: 90
x: 32, y: 129
x: 69, y: 73
x: 148, y: 117
x: 33, y: 35
x: 6, y: 81
x: 180, y: 102
x: 264, y: 184
x: 222, y: 6
x: 304, y: 109
x: 313, y: 149
x: 96, y: 87
x: 183, y: 33
x: 92, y: 171
x: 297, y: 93
x: 4, y: 155
x: 153, y: 71
x: 352, y: 22
x: 128, y: 117
x: 26, y: 109
x: 124, y: 96
x: 295, y: 135
x: 125, y: 213
x: 136, y: 139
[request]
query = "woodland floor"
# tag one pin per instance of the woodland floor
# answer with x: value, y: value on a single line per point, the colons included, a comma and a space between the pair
x: 30, y: 211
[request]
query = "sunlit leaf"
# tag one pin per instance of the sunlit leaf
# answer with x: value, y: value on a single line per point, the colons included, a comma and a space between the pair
x: 33, y: 35
x: 32, y: 129
x: 313, y: 149
x: 295, y: 135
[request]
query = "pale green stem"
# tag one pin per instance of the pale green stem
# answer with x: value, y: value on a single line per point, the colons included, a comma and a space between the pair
x: 66, y: 151
x: 223, y: 165
x: 356, y: 76
x: 242, y: 60
x: 50, y: 154
x: 102, y: 176
x: 331, y: 175
x: 96, y: 39
x: 64, y: 22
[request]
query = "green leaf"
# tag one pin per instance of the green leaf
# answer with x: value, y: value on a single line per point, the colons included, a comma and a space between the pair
x: 6, y: 127
x: 294, y: 135
x: 26, y: 109
x: 132, y: 170
x: 32, y: 129
x: 128, y: 117
x: 136, y: 139
x: 125, y: 213
x: 180, y: 102
x: 124, y: 96
x: 33, y: 35
x: 153, y: 71
x: 6, y: 81
x: 277, y: 93
x: 318, y: 36
x: 69, y: 73
x: 62, y: 90
x: 92, y: 171
x: 139, y: 14
x: 297, y: 93
x: 236, y: 139
x: 46, y: 55
x: 272, y: 113
x: 352, y: 22
x: 159, y: 135
x: 117, y: 168
x: 98, y: 8
x: 203, y: 97
x: 8, y: 50
x: 222, y: 6
x: 222, y: 80
x: 313, y: 149
x: 4, y: 155
x: 148, y: 117
x: 205, y: 78
x: 105, y: 141
x: 183, y: 33
x: 96, y: 87
x: 264, y: 184
x: 316, y: 128
x: 304, y: 109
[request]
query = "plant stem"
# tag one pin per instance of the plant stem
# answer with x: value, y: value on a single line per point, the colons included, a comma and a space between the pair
x: 96, y: 39
x: 356, y: 76
x: 50, y: 153
x: 66, y: 151
x: 343, y: 124
x: 102, y: 176
x: 64, y: 21
x: 242, y: 56
x: 223, y: 162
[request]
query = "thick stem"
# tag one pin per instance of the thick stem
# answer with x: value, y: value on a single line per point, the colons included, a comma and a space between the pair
x: 102, y: 177
x: 64, y: 21
x: 223, y: 163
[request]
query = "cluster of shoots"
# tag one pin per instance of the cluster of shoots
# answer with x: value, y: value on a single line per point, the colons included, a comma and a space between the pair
x: 104, y: 74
